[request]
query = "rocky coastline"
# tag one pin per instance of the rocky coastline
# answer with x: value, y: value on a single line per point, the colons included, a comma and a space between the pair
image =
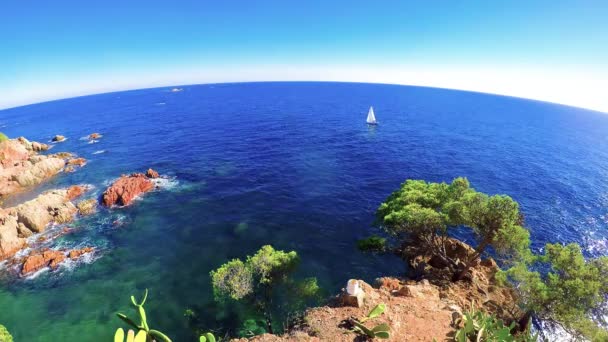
x: 22, y: 167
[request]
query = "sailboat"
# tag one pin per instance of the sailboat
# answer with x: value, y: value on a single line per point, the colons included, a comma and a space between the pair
x: 371, y: 118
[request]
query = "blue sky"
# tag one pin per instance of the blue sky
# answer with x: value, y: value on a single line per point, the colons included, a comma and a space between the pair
x: 548, y: 50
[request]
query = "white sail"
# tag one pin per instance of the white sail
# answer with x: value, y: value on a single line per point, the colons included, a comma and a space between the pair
x: 371, y: 118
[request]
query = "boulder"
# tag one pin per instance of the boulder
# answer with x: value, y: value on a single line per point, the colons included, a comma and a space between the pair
x: 50, y: 206
x: 32, y: 145
x: 126, y: 188
x: 38, y: 147
x: 152, y: 174
x: 58, y: 138
x: 94, y: 136
x: 87, y: 207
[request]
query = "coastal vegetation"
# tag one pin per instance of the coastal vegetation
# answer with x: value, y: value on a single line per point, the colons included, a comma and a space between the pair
x: 476, y: 325
x: 5, y: 336
x: 257, y: 280
x: 567, y: 291
x: 428, y: 213
x: 143, y: 326
x: 3, y: 137
x: 559, y: 287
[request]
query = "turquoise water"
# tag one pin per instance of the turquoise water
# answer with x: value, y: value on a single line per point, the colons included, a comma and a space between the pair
x: 287, y: 164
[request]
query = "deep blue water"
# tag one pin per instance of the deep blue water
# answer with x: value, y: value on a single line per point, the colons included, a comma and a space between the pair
x: 296, y: 165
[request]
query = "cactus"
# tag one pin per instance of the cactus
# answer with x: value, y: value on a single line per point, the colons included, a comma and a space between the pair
x: 208, y: 337
x: 379, y: 331
x: 131, y: 337
x: 149, y: 334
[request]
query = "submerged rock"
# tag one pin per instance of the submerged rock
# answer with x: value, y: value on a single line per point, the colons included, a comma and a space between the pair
x: 126, y: 188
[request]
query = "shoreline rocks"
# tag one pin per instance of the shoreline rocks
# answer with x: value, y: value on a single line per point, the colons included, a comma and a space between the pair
x: 19, y: 222
x: 50, y: 258
x: 21, y: 166
x: 126, y: 188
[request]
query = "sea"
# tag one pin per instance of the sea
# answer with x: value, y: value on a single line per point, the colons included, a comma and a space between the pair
x: 290, y: 164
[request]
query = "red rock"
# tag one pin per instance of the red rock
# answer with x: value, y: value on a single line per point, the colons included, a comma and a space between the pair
x: 94, y: 136
x: 152, y: 174
x: 77, y: 253
x: 35, y: 262
x: 77, y: 161
x: 390, y: 284
x: 75, y: 191
x: 122, y: 191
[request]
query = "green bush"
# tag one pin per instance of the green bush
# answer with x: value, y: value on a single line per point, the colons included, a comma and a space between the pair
x: 256, y: 281
x: 5, y: 336
x: 373, y: 243
x: 3, y: 137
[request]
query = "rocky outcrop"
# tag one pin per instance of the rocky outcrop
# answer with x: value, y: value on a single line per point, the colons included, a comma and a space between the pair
x: 21, y: 166
x: 87, y: 207
x: 33, y: 146
x: 77, y: 162
x: 18, y: 223
x: 58, y: 138
x: 50, y: 258
x: 152, y: 174
x: 126, y: 188
x: 94, y: 136
x: 410, y: 318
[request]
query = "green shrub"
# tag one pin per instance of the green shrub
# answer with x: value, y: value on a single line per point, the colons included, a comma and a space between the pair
x: 256, y: 280
x: 373, y: 243
x: 5, y: 336
x: 3, y: 137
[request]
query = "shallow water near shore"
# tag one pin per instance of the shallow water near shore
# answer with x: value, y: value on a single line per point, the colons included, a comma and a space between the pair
x: 288, y: 164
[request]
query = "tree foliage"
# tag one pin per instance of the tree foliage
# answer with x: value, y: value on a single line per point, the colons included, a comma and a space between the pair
x: 256, y: 280
x: 3, y: 137
x: 5, y: 336
x: 568, y: 292
x: 428, y: 211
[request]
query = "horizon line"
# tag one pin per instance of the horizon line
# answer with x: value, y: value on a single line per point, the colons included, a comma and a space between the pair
x: 128, y: 89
